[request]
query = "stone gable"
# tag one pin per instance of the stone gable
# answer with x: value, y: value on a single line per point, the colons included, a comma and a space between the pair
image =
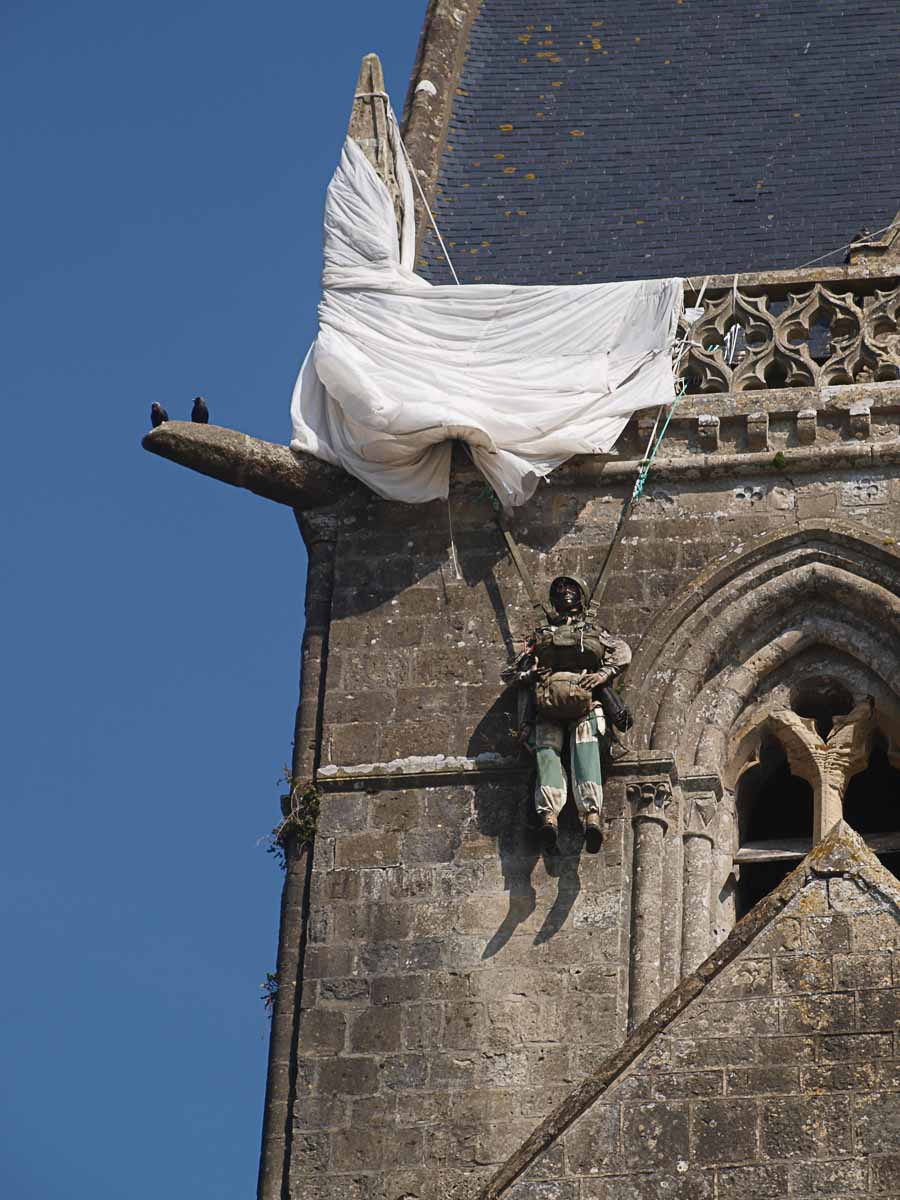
x: 772, y: 1072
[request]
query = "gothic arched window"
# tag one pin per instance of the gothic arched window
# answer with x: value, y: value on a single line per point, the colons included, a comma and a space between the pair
x: 775, y: 819
x: 818, y: 761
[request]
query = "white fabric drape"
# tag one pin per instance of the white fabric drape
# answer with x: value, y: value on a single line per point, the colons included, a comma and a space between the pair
x: 527, y: 376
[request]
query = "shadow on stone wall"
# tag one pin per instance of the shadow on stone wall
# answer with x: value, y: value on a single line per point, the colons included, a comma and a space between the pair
x: 506, y: 814
x: 387, y: 547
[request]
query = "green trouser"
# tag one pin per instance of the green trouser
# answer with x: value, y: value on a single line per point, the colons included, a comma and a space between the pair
x: 584, y: 763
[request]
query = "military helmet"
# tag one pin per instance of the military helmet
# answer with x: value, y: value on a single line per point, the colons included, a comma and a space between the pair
x: 557, y: 583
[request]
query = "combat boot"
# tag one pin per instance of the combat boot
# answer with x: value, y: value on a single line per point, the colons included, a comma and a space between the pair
x: 549, y: 832
x: 593, y: 833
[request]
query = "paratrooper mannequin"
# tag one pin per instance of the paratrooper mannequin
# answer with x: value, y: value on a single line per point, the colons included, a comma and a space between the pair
x: 564, y: 674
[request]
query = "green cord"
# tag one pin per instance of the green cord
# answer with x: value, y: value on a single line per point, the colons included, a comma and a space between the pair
x: 648, y: 462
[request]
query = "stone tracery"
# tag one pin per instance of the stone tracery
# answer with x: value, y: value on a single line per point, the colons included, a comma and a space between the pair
x: 826, y: 333
x: 791, y: 642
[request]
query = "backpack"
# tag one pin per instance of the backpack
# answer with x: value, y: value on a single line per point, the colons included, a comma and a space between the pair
x: 560, y: 696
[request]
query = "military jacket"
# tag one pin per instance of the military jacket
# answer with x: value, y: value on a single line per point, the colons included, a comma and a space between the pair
x: 576, y: 644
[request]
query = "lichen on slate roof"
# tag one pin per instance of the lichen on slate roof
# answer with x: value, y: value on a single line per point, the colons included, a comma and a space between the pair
x: 592, y: 141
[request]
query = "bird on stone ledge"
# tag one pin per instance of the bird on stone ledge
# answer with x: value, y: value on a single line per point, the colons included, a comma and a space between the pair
x: 200, y: 413
x: 157, y: 415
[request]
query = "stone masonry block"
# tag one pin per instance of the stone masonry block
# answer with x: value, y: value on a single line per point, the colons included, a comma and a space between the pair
x: 390, y: 922
x: 349, y: 745
x: 760, y: 1183
x: 755, y: 1081
x: 862, y: 1046
x: 835, y: 1178
x: 422, y: 1026
x: 310, y: 1152
x: 592, y: 1145
x: 886, y: 1175
x: 358, y: 1149
x: 860, y: 421
x: 342, y: 814
x: 838, y: 1077
x: 876, y: 1119
x: 340, y: 885
x: 818, y: 1014
x: 708, y: 431
x: 854, y: 971
x: 322, y: 1032
x: 875, y: 931
x: 464, y: 1026
x: 403, y: 1072
x: 879, y: 1010
x: 319, y: 1187
x: 758, y: 431
x: 344, y: 991
x: 325, y: 962
x: 654, y: 1135
x: 350, y: 922
x: 748, y: 1018
x: 372, y: 849
x: 778, y: 1051
x: 371, y: 1110
x: 827, y: 935
x: 802, y: 973
x: 802, y: 1127
x: 397, y: 811
x: 807, y: 422
x: 683, y: 1085
x: 357, y: 1076
x: 848, y: 896
x: 723, y: 1131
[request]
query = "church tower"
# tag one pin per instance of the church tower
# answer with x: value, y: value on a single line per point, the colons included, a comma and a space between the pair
x: 451, y: 997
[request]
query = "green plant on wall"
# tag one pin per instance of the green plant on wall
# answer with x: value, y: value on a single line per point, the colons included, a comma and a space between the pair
x: 269, y: 991
x: 301, y: 814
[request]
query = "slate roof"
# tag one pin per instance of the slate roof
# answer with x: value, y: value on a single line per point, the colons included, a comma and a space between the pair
x: 598, y: 141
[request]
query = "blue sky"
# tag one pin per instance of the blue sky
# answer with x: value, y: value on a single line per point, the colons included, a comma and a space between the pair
x: 165, y: 174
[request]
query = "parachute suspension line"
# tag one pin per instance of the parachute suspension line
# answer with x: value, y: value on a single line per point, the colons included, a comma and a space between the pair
x: 454, y: 560
x: 488, y: 493
x: 653, y: 445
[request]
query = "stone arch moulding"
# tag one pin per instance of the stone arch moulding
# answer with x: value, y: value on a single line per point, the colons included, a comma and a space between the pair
x: 712, y: 670
x: 825, y: 582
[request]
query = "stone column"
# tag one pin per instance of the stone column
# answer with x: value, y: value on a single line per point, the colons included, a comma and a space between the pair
x: 649, y: 802
x: 695, y: 930
x: 281, y: 1080
x: 702, y: 793
x: 828, y: 766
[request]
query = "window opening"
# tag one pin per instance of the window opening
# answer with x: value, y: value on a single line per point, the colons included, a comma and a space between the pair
x: 775, y: 819
x: 872, y: 806
x: 823, y: 700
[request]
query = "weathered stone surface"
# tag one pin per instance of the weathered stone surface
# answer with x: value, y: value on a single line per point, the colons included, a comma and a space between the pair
x: 269, y: 470
x: 511, y: 973
x: 804, y: 1116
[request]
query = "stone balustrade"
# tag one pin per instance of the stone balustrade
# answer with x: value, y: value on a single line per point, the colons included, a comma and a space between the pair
x: 806, y: 329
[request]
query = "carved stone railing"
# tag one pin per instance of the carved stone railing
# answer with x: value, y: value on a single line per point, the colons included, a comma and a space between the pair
x: 817, y: 328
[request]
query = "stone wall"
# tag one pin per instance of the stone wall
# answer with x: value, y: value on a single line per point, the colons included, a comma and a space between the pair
x: 781, y: 1079
x: 456, y: 980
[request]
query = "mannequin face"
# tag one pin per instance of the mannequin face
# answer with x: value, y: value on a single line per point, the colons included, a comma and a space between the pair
x: 566, y: 597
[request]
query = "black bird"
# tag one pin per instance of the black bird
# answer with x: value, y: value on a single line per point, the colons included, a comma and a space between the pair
x: 200, y: 413
x: 157, y: 415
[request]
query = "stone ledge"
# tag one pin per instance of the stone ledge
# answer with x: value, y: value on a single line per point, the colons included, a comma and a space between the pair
x: 784, y: 402
x: 417, y: 767
x: 848, y: 455
x: 265, y: 468
x: 878, y: 268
